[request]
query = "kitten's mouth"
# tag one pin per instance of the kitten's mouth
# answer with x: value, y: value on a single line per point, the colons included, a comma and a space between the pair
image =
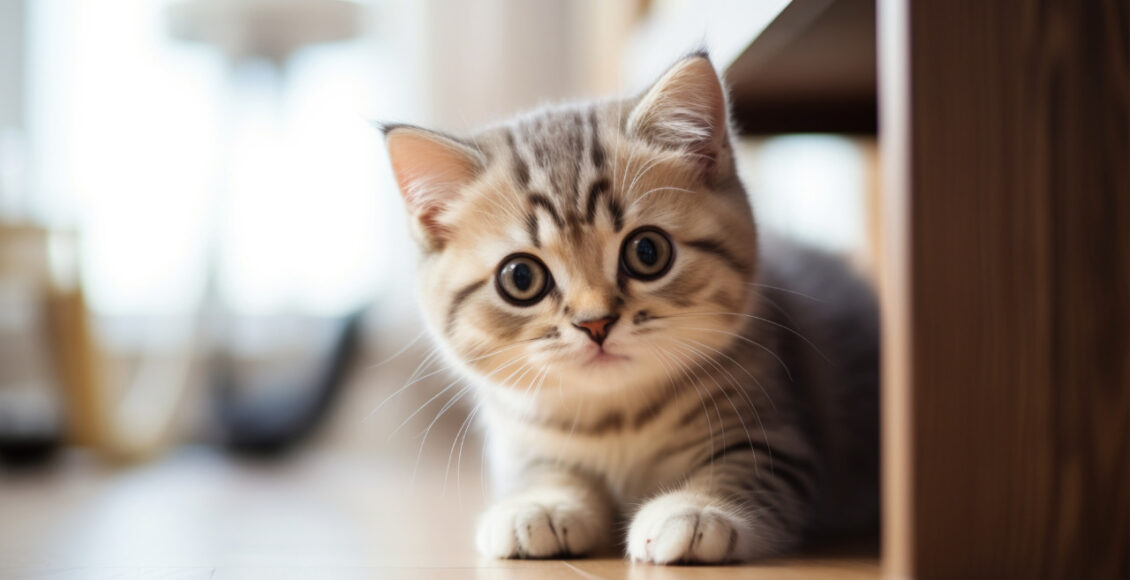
x: 603, y: 357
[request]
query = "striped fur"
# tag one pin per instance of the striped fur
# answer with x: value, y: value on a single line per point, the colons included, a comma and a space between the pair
x: 731, y: 408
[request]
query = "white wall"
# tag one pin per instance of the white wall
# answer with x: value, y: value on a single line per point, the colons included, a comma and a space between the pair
x: 488, y: 59
x: 12, y: 63
x: 13, y: 86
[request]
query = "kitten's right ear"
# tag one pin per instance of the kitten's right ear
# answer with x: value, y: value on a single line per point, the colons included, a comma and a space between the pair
x: 686, y: 109
x: 431, y: 169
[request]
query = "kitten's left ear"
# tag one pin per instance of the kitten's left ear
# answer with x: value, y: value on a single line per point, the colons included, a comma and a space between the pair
x: 686, y: 110
x: 432, y: 170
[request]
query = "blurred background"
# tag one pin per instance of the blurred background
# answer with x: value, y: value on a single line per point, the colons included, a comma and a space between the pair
x: 209, y: 346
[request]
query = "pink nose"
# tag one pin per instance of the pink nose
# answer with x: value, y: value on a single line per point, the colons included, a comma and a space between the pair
x: 597, y: 328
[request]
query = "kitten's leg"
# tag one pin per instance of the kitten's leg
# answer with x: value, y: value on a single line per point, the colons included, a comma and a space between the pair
x: 727, y: 511
x: 555, y: 513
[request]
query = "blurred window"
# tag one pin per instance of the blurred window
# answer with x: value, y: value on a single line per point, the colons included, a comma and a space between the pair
x: 814, y: 187
x: 157, y: 148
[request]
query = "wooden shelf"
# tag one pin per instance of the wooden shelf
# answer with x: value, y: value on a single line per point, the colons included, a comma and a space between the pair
x: 813, y: 69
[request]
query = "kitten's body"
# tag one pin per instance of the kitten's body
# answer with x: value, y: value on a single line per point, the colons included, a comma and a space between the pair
x: 731, y: 394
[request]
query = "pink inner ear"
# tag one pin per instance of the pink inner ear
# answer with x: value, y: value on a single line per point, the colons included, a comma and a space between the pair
x: 685, y: 109
x: 429, y: 219
x: 431, y: 171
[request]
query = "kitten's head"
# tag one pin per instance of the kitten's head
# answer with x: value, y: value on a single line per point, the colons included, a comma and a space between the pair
x: 591, y: 249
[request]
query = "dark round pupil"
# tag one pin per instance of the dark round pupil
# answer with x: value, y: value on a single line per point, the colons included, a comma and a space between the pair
x: 523, y: 276
x: 646, y: 252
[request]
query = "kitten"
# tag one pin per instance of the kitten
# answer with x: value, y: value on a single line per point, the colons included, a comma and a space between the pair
x: 639, y: 359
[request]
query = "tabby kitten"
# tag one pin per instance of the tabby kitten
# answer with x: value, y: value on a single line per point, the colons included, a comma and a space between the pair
x: 641, y: 363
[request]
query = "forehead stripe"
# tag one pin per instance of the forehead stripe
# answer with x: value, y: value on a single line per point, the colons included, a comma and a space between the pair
x: 579, y: 144
x: 597, y: 148
x: 532, y: 229
x: 617, y: 213
x: 521, y: 170
x: 538, y: 200
x: 599, y: 188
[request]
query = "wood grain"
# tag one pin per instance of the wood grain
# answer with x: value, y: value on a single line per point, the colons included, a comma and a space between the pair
x: 1012, y: 309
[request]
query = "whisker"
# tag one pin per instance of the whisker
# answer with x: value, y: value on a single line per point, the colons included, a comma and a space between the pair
x: 425, y: 363
x: 451, y: 453
x: 743, y: 369
x: 639, y: 199
x: 527, y: 368
x: 747, y: 340
x: 459, y: 465
x: 788, y: 290
x: 444, y: 390
x: 639, y: 174
x: 402, y: 350
x: 713, y: 400
x: 424, y: 439
x: 424, y: 406
x: 748, y: 400
x: 705, y: 411
x: 435, y: 372
x: 483, y: 467
x: 777, y: 306
x: 753, y: 316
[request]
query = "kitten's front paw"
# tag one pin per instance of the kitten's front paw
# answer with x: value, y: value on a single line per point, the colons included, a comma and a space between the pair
x: 523, y: 529
x: 683, y: 527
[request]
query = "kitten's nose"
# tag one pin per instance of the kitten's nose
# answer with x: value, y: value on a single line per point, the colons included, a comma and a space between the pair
x: 597, y: 328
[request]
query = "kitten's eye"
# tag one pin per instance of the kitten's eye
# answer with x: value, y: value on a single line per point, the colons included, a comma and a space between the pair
x: 523, y: 280
x: 646, y: 253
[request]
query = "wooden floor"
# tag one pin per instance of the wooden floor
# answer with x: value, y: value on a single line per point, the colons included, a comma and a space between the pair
x: 372, y: 498
x: 200, y: 514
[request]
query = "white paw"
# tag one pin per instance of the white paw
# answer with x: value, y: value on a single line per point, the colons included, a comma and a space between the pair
x: 525, y: 529
x: 684, y: 527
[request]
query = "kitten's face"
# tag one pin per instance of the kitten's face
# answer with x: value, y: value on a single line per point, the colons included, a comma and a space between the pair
x: 600, y: 249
